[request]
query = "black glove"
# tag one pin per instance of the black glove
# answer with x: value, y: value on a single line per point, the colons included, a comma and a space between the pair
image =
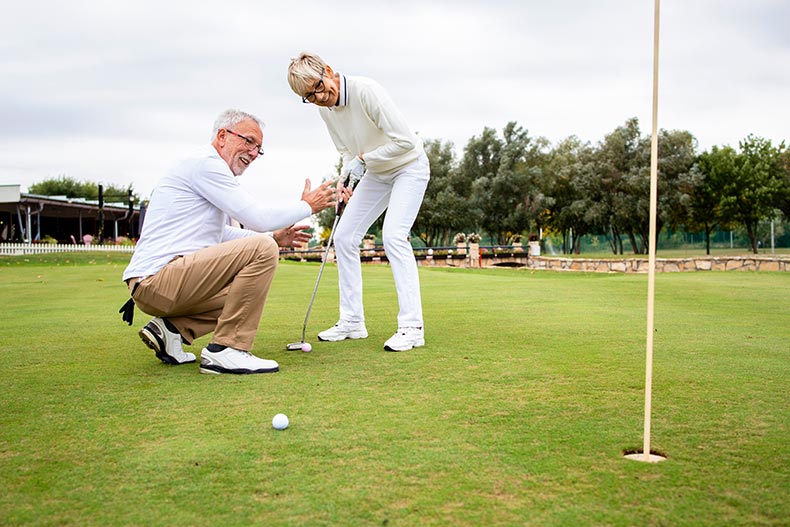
x: 127, y: 311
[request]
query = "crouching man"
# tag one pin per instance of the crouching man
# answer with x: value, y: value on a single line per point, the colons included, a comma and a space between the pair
x: 197, y: 274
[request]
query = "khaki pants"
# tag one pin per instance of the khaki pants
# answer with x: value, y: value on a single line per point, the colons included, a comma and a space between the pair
x: 221, y: 289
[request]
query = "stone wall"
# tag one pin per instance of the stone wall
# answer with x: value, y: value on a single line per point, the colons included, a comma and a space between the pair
x: 474, y: 259
x: 663, y: 265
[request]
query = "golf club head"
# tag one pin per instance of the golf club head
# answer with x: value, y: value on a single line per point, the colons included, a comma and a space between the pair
x: 294, y: 346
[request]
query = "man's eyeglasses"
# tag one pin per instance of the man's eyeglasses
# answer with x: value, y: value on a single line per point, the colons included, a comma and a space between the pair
x: 319, y: 88
x: 251, y: 145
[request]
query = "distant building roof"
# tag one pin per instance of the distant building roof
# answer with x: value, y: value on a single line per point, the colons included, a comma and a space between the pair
x: 11, y: 198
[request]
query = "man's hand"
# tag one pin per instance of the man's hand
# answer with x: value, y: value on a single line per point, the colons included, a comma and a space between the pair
x: 320, y: 198
x: 293, y: 236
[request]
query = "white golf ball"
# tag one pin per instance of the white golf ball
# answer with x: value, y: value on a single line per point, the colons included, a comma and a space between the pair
x: 306, y: 347
x: 280, y: 421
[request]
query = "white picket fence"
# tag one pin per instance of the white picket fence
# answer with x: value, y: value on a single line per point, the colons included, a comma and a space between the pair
x: 17, y: 249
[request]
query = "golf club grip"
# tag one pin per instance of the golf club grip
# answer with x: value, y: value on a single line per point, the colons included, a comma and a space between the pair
x: 342, y: 205
x: 338, y: 213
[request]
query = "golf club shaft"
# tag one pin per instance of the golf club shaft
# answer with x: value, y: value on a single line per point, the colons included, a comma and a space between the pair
x: 338, y: 213
x: 320, y: 272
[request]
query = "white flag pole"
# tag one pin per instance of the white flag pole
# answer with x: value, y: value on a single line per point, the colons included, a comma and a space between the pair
x: 651, y: 279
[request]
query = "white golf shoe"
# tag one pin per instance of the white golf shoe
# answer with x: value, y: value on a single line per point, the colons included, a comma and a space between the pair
x: 344, y: 330
x: 231, y: 360
x: 165, y: 343
x: 405, y: 338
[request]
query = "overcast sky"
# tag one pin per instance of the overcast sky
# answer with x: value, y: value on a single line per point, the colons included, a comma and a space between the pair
x: 117, y: 91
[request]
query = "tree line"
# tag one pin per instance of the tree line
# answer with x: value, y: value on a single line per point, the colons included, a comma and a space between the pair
x: 63, y: 185
x: 509, y: 185
x: 513, y: 184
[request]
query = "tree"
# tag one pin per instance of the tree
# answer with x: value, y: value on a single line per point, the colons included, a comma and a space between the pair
x: 326, y: 218
x: 617, y: 189
x: 560, y: 192
x: 676, y: 157
x: 71, y: 188
x: 606, y: 186
x: 755, y: 181
x: 504, y: 172
x: 783, y: 194
x: 479, y: 163
x: 532, y: 208
x: 704, y: 185
x: 444, y: 210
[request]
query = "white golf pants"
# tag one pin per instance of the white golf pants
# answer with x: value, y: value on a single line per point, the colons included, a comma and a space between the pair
x: 401, y: 196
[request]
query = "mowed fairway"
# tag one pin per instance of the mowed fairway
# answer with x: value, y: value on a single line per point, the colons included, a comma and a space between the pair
x: 516, y: 412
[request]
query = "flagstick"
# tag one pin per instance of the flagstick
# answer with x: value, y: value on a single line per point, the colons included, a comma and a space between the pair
x: 651, y: 279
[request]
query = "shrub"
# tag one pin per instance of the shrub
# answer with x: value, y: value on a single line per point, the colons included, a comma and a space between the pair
x: 123, y: 240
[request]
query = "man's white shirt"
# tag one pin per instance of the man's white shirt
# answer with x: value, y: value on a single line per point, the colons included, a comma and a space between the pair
x: 192, y: 207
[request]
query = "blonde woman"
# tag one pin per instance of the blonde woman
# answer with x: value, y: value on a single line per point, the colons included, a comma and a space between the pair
x: 388, y: 159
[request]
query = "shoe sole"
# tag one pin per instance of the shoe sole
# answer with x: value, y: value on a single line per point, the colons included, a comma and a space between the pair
x: 218, y: 370
x: 350, y: 336
x: 153, y: 341
x: 418, y: 344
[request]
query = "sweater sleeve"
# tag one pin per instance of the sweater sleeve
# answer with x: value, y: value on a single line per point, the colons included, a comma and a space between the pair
x: 220, y: 188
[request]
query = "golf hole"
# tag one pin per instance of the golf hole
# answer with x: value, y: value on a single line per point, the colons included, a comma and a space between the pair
x: 637, y: 454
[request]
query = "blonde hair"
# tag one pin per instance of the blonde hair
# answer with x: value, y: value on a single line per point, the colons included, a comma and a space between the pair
x: 304, y: 71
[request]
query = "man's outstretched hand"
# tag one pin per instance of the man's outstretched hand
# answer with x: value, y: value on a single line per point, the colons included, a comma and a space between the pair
x: 293, y: 236
x: 320, y: 198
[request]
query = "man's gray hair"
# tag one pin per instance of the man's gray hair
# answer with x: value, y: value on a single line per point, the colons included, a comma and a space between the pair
x: 230, y: 118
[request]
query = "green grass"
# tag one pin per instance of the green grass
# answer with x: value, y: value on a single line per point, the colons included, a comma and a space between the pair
x: 516, y: 412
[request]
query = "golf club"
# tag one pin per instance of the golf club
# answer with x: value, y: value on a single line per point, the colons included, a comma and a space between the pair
x: 293, y: 346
